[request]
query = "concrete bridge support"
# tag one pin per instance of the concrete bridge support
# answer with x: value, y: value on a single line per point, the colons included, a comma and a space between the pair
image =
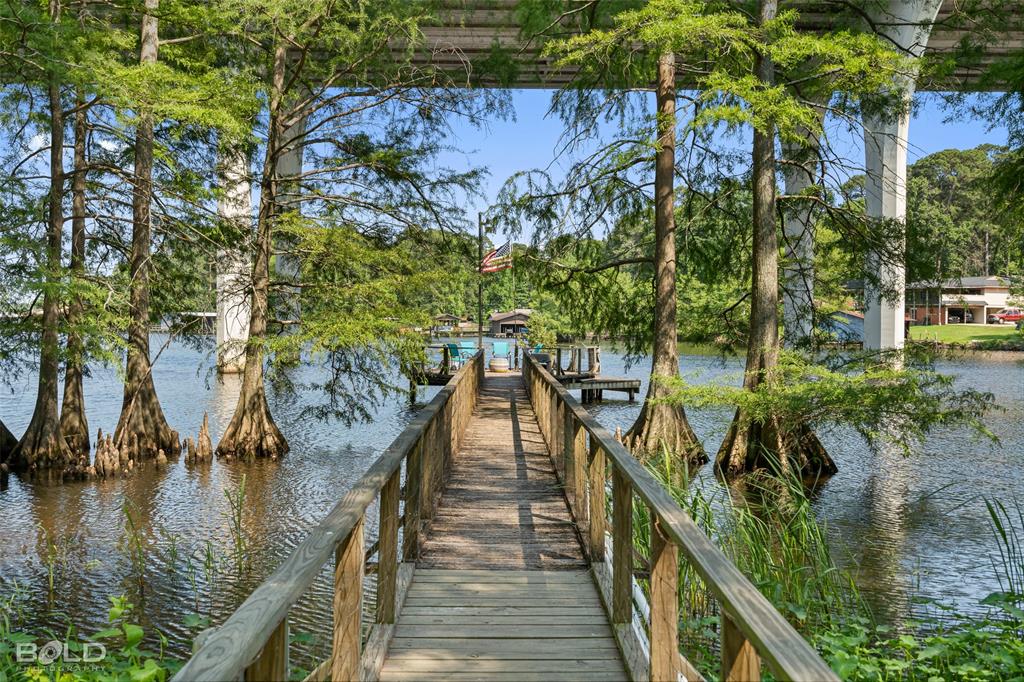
x: 800, y: 174
x: 907, y: 23
x: 286, y: 264
x: 233, y: 268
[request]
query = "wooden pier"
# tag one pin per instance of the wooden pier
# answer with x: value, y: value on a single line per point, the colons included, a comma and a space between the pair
x: 591, y: 383
x: 505, y: 551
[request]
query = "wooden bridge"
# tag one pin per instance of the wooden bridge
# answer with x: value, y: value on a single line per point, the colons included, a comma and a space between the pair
x: 505, y: 551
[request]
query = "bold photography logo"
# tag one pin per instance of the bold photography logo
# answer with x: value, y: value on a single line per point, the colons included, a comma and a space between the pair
x: 29, y: 652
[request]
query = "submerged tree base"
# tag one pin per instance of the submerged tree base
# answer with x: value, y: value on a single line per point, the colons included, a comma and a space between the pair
x: 252, y: 433
x: 142, y: 431
x: 757, y: 446
x: 42, y: 451
x: 7, y: 442
x: 660, y: 427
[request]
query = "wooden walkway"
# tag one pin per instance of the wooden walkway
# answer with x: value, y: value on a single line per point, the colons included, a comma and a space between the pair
x: 487, y: 568
x: 501, y: 590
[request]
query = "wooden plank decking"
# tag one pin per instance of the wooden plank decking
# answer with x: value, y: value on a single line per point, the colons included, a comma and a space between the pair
x: 502, y: 506
x: 501, y: 590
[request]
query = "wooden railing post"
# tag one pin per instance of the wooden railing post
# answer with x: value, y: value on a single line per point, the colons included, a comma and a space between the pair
x: 413, y: 486
x: 348, y: 606
x: 428, y: 462
x: 272, y: 663
x: 664, y: 605
x: 575, y: 466
x: 387, y: 550
x: 622, y: 548
x: 740, y: 662
x: 596, y: 503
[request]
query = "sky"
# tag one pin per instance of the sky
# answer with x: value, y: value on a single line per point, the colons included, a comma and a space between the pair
x: 528, y: 141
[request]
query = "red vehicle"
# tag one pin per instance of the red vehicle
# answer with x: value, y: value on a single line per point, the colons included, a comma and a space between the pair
x: 1010, y: 315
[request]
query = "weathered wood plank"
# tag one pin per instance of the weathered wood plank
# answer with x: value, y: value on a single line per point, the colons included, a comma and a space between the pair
x: 505, y: 631
x: 505, y: 648
x: 380, y: 636
x: 413, y: 485
x: 740, y: 662
x: 272, y: 663
x: 596, y: 504
x: 553, y: 617
x: 622, y: 548
x: 664, y: 603
x: 502, y: 506
x: 507, y: 577
x: 542, y: 610
x: 546, y: 676
x: 387, y: 552
x: 496, y: 665
x: 348, y: 606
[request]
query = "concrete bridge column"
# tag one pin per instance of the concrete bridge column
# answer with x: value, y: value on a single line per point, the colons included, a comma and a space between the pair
x: 287, y: 266
x: 907, y: 23
x: 799, y: 173
x: 233, y: 268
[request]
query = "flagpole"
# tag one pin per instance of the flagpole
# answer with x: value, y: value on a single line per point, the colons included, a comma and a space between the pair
x: 480, y: 282
x: 511, y: 260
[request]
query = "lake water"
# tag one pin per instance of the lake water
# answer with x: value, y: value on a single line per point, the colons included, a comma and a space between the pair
x: 906, y: 526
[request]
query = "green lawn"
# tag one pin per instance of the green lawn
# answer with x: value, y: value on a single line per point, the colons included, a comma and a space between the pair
x: 993, y: 334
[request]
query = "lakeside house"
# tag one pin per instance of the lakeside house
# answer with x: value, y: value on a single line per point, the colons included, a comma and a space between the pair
x: 445, y: 321
x: 954, y: 301
x: 510, y: 323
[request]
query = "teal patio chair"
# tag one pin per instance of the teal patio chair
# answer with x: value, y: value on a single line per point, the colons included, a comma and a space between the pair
x: 454, y: 355
x: 500, y: 349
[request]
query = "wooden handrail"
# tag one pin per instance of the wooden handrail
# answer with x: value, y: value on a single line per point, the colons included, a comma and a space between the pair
x: 750, y: 622
x: 255, y: 635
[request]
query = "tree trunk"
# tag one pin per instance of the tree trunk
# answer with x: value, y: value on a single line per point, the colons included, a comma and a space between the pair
x: 42, y: 447
x: 252, y: 433
x: 751, y: 445
x: 661, y: 425
x: 7, y: 442
x: 142, y: 428
x: 73, y: 423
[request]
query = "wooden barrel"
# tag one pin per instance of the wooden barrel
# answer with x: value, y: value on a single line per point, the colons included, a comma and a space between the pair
x: 498, y: 364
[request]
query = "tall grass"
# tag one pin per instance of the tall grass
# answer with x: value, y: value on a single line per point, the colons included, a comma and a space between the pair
x: 773, y: 537
x: 1008, y: 529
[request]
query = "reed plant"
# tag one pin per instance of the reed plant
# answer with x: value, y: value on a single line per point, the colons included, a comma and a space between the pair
x: 239, y: 544
x: 769, y: 531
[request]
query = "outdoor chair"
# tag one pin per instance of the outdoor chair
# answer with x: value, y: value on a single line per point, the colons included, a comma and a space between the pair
x: 500, y: 349
x: 454, y: 355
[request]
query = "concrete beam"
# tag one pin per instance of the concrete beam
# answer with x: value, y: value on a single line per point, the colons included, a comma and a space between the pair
x: 907, y: 23
x: 234, y: 268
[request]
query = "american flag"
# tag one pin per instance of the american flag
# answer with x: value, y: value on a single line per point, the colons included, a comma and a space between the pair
x: 498, y: 259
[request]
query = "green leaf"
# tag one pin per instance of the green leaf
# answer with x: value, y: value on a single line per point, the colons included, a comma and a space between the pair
x: 132, y: 634
x: 107, y: 634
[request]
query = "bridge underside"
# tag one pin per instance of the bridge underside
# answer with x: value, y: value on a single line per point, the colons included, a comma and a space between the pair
x: 471, y: 33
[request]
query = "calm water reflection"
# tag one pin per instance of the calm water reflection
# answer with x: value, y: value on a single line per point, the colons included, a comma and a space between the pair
x: 905, y: 526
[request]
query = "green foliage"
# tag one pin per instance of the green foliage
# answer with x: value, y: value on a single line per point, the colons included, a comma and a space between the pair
x: 883, y: 403
x: 779, y: 544
x: 127, y: 659
x: 979, y: 649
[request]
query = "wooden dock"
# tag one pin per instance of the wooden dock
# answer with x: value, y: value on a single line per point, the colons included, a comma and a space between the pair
x: 505, y: 551
x: 501, y: 590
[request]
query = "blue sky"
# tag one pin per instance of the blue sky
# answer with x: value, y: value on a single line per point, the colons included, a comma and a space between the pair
x: 527, y: 142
